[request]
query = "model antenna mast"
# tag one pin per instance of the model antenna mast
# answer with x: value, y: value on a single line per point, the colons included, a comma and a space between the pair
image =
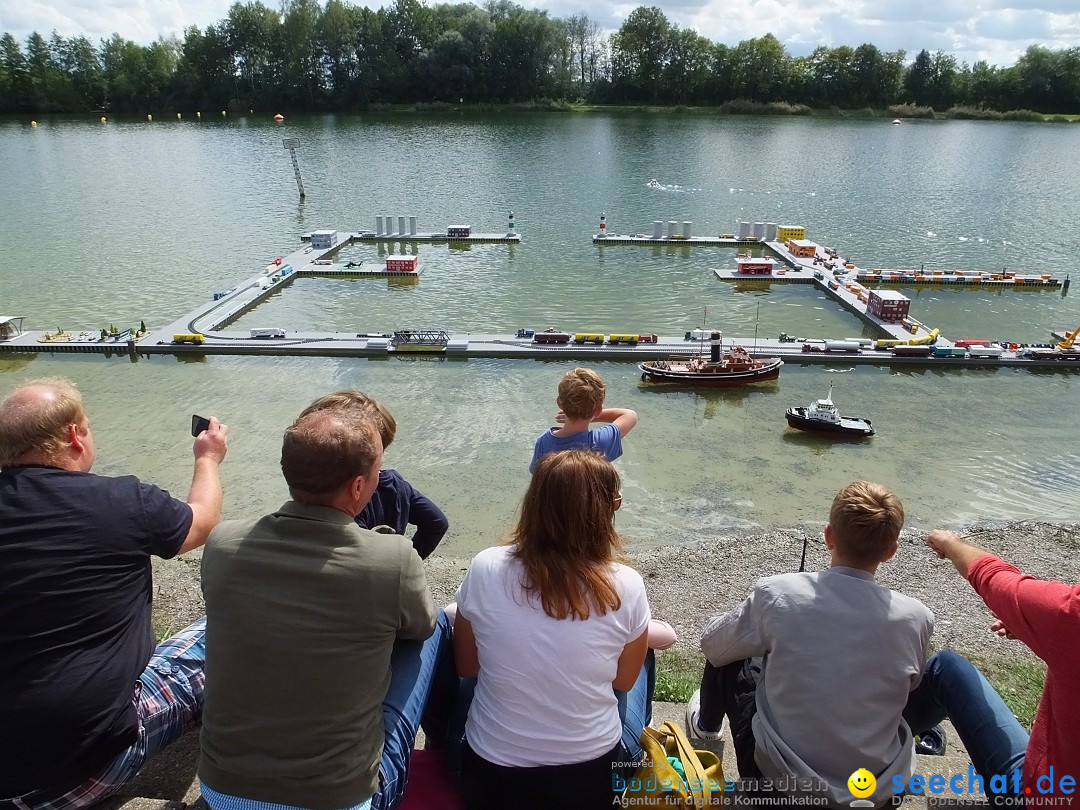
x: 757, y: 319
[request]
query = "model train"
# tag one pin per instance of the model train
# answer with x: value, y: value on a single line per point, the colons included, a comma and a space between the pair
x: 551, y: 336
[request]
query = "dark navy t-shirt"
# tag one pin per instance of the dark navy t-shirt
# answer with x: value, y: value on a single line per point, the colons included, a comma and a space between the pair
x: 395, y: 503
x: 75, y: 624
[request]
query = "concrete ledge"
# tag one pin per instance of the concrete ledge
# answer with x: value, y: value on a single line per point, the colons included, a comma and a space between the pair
x: 167, y: 782
x: 170, y: 782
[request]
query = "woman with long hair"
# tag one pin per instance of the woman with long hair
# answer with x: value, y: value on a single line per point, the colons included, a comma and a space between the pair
x: 555, y: 629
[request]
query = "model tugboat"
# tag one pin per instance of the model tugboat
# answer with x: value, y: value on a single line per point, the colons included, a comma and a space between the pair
x: 823, y: 417
x: 736, y: 367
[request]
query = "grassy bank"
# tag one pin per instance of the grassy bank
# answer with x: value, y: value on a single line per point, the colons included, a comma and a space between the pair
x: 741, y: 107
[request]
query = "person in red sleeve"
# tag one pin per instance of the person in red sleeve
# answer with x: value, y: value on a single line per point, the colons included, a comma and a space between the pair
x: 1045, y: 616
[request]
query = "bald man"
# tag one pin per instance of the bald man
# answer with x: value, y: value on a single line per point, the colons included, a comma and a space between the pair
x: 85, y: 698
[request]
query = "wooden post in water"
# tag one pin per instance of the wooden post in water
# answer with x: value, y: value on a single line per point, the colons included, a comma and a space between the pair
x: 291, y: 144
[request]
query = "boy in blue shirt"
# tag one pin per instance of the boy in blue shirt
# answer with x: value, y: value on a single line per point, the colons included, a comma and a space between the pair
x: 581, y: 402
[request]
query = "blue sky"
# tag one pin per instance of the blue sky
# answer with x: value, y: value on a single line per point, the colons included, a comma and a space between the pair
x: 995, y: 30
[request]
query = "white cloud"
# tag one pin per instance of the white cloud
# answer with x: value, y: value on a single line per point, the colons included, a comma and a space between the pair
x: 140, y: 20
x: 995, y: 30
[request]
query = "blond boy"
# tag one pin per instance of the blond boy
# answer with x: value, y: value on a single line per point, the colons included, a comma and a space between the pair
x: 813, y: 670
x: 581, y: 402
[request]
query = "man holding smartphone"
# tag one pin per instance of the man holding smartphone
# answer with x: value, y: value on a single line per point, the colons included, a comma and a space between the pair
x: 85, y: 698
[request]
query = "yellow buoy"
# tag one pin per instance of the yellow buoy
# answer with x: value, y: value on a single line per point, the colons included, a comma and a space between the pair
x: 198, y: 114
x: 149, y: 117
x: 178, y: 116
x: 103, y: 119
x: 33, y: 123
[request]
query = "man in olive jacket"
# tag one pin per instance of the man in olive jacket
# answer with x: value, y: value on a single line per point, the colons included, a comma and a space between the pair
x: 305, y: 611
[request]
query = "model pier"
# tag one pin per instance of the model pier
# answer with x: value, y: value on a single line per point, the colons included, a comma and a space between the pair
x: 406, y: 230
x: 903, y: 339
x: 788, y: 243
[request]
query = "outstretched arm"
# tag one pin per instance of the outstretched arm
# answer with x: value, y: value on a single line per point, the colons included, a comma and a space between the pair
x: 205, y: 497
x: 431, y: 524
x: 1037, y: 612
x: 623, y: 418
x: 948, y: 546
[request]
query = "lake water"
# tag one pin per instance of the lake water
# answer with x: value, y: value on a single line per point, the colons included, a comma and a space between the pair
x: 134, y: 221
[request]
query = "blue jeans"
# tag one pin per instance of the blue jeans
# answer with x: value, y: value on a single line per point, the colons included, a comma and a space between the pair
x: 635, y: 707
x: 415, y: 668
x: 952, y: 687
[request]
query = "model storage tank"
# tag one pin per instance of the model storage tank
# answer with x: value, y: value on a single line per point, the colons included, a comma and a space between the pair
x: 379, y: 226
x: 671, y: 229
x: 744, y: 230
x: 657, y: 229
x: 401, y: 225
x: 759, y: 230
x: 412, y: 226
x: 770, y: 231
x: 686, y: 226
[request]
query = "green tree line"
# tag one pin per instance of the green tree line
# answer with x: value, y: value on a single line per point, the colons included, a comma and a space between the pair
x: 342, y: 57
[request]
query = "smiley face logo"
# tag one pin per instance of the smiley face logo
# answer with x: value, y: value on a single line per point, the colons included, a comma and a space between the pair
x: 861, y: 783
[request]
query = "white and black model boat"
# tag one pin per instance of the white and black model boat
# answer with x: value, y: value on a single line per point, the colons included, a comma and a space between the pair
x: 823, y: 417
x: 734, y: 367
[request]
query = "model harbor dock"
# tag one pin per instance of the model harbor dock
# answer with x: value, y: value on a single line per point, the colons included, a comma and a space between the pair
x: 406, y: 230
x: 903, y: 340
x: 798, y: 258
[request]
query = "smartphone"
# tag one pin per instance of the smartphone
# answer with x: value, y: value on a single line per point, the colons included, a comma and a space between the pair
x: 199, y: 424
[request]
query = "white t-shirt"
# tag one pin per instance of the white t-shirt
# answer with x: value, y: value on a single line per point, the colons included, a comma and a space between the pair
x: 544, y: 694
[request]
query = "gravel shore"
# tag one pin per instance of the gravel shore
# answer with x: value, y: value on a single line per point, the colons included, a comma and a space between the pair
x: 689, y: 583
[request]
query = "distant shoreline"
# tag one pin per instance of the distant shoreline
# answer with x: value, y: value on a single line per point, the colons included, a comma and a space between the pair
x: 737, y: 107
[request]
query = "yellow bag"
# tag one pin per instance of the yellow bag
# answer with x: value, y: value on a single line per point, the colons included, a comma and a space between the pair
x: 657, y: 780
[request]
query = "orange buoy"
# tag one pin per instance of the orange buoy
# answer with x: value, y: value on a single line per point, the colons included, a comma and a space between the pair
x: 279, y: 117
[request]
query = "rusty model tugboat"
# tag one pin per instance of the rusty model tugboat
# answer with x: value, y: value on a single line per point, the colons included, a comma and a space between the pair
x: 735, y: 367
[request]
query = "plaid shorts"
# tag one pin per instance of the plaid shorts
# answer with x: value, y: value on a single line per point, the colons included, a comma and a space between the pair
x: 168, y: 698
